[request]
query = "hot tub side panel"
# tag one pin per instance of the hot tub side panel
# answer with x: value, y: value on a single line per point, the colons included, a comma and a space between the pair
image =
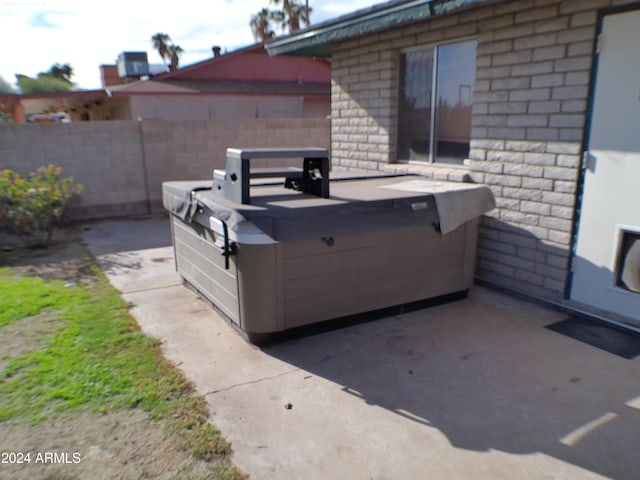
x: 200, y: 262
x: 259, y: 288
x: 373, y: 270
x: 325, y: 275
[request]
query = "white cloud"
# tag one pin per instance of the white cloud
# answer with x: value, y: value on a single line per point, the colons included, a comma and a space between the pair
x: 87, y: 34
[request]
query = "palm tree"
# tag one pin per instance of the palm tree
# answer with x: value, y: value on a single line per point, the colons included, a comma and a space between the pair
x: 294, y: 14
x: 261, y: 25
x: 174, y: 52
x: 161, y: 43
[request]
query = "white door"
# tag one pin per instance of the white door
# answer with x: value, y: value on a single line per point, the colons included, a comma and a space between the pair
x: 606, y: 270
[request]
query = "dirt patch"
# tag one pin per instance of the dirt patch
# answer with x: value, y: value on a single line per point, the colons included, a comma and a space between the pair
x: 66, y: 258
x: 25, y: 335
x: 123, y: 445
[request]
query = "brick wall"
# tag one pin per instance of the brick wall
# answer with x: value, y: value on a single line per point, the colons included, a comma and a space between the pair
x: 529, y: 110
x: 122, y: 164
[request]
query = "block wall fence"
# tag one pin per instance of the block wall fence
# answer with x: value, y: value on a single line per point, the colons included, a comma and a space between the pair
x: 122, y: 164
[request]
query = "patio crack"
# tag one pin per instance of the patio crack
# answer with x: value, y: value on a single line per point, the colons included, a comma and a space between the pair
x: 252, y: 382
x: 281, y: 374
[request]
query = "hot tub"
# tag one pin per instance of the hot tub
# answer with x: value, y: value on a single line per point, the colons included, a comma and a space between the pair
x: 290, y: 258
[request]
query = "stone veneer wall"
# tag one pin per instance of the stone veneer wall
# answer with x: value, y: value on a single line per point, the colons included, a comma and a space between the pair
x: 529, y: 109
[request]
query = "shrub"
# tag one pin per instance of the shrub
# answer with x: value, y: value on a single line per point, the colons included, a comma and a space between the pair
x: 33, y: 205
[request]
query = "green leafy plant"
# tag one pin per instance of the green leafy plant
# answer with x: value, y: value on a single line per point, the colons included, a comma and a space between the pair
x: 33, y: 205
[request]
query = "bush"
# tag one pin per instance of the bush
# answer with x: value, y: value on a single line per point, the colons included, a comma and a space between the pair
x: 33, y: 205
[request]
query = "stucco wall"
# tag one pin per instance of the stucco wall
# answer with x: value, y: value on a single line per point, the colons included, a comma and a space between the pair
x: 122, y: 164
x: 529, y: 110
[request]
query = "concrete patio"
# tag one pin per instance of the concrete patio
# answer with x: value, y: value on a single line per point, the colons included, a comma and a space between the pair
x: 473, y: 389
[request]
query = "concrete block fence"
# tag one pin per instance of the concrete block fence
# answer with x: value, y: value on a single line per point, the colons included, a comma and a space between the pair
x: 122, y: 164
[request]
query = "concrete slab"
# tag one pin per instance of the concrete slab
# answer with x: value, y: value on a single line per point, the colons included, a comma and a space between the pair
x: 114, y: 236
x: 474, y: 389
x: 136, y: 254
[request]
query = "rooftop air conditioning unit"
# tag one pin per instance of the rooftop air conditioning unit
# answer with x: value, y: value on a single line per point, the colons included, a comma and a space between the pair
x: 133, y: 64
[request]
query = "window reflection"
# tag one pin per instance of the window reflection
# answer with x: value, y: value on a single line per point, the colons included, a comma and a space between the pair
x: 414, y: 115
x: 451, y: 129
x: 454, y: 90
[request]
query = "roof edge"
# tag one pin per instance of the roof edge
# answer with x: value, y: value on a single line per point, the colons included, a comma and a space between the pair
x: 317, y: 41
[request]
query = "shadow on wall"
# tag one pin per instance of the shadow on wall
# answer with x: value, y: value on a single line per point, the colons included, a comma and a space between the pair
x: 488, y: 375
x: 515, y: 258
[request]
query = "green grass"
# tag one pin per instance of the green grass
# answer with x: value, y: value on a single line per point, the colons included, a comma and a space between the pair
x: 18, y: 300
x: 99, y: 360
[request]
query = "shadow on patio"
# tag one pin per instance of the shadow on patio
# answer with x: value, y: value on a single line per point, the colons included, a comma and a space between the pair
x: 491, y: 377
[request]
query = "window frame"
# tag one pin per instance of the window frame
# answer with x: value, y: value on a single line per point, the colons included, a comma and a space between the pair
x: 434, y: 91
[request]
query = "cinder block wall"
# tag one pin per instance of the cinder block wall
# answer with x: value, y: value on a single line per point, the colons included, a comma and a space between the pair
x: 106, y: 157
x: 191, y: 150
x: 529, y: 110
x: 122, y: 164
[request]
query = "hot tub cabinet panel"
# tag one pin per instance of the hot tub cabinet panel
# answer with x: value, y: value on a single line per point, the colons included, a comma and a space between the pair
x: 199, y: 262
x: 292, y: 259
x: 372, y: 270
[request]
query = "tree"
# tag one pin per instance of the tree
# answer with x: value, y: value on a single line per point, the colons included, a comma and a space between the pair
x: 167, y: 50
x: 289, y: 18
x: 161, y: 43
x: 261, y: 25
x: 174, y: 55
x: 42, y: 84
x: 56, y: 79
x: 293, y: 14
x: 61, y: 72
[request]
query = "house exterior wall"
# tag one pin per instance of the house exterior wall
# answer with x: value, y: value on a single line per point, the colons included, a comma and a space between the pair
x: 529, y: 110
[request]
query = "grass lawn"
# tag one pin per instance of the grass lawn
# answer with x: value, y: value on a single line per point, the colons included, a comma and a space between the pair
x: 95, y: 359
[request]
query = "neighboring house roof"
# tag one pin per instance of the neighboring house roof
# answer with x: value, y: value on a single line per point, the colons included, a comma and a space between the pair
x: 72, y: 94
x: 317, y: 41
x: 148, y: 86
x: 253, y: 63
x: 72, y: 97
x: 249, y: 70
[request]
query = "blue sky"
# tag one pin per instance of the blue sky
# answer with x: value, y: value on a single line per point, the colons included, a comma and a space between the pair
x: 38, y: 33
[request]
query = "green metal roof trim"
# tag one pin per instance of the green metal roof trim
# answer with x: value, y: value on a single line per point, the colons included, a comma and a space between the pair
x: 317, y: 41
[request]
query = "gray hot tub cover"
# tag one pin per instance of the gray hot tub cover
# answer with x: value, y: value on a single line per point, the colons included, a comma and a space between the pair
x: 456, y: 203
x: 181, y: 199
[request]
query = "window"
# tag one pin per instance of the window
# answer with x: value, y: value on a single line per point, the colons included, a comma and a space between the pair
x: 440, y: 76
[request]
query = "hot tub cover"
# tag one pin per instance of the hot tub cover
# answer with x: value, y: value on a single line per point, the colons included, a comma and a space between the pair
x: 457, y: 203
x: 378, y: 197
